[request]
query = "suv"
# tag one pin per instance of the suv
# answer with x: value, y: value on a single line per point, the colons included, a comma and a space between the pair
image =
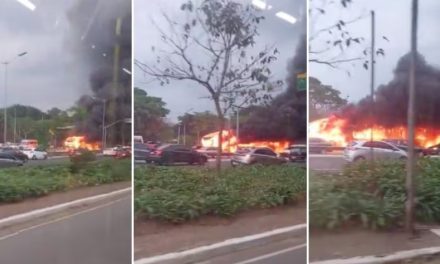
x: 361, y: 150
x: 169, y: 154
x: 141, y: 151
x: 264, y: 156
x: 295, y: 153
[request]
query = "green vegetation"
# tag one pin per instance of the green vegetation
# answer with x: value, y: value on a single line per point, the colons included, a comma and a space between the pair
x: 17, y: 184
x: 178, y: 194
x: 373, y: 194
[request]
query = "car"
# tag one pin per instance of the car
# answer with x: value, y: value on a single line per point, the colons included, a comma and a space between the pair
x: 141, y: 152
x: 211, y: 152
x: 295, y: 153
x: 173, y: 153
x: 123, y: 152
x: 432, y: 150
x: 15, y: 152
x: 252, y: 156
x: 35, y: 154
x: 7, y: 160
x: 403, y: 145
x: 319, y: 145
x: 110, y: 152
x: 361, y: 150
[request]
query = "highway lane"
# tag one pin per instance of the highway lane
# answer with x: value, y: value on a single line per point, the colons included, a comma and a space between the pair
x: 99, y: 235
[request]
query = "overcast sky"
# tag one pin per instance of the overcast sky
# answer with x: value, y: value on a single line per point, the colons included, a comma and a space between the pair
x: 181, y: 96
x: 393, y: 21
x: 50, y: 74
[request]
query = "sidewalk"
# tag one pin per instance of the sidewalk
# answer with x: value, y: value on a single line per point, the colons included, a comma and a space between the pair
x: 27, y: 205
x: 324, y: 245
x: 155, y: 238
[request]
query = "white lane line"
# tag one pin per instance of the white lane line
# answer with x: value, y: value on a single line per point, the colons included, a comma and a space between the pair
x: 228, y: 242
x: 16, y: 233
x: 58, y: 207
x: 272, y: 254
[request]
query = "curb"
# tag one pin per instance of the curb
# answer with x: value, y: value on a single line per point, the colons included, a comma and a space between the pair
x: 391, y: 258
x: 204, y: 253
x: 20, y: 218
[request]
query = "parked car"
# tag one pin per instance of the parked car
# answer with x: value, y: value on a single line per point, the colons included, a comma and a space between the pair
x: 171, y: 153
x: 319, y: 145
x: 264, y: 156
x: 141, y: 152
x: 403, y: 145
x: 7, y: 160
x: 15, y: 152
x: 211, y: 152
x: 361, y: 150
x: 35, y: 154
x: 123, y: 152
x: 295, y: 153
x: 110, y: 152
x: 432, y: 150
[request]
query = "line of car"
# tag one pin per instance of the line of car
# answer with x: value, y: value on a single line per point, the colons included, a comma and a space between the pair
x: 168, y: 154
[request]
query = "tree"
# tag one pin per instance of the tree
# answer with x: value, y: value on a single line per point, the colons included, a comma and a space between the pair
x: 323, y: 99
x: 198, y: 124
x: 149, y: 114
x: 223, y: 33
x: 333, y: 44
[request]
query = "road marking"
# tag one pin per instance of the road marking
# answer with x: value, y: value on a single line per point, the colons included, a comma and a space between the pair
x: 272, y: 254
x: 16, y: 233
x: 395, y: 257
x: 58, y: 207
x: 228, y: 242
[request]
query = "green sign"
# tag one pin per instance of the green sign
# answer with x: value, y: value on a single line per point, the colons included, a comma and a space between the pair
x: 301, y: 82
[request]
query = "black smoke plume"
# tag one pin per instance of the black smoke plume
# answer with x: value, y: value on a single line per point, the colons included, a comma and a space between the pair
x: 286, y: 116
x: 391, y: 100
x: 94, y: 23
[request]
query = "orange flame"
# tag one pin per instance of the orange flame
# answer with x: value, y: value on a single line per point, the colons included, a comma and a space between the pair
x: 76, y: 142
x: 332, y: 129
x: 231, y: 145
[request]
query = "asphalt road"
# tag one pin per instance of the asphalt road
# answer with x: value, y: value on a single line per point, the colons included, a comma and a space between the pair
x: 326, y: 162
x: 100, y: 235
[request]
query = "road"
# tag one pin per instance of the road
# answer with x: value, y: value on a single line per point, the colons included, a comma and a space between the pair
x: 282, y: 252
x: 326, y: 162
x: 99, y: 235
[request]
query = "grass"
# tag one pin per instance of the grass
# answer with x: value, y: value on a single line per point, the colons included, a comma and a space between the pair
x: 17, y: 184
x: 372, y: 195
x: 178, y: 194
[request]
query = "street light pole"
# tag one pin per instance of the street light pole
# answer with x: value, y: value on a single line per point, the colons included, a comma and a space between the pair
x: 5, y: 119
x: 237, y: 126
x: 103, y: 125
x: 372, y: 80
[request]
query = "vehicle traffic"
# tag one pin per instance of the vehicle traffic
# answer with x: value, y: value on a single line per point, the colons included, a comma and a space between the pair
x: 35, y: 154
x: 265, y: 156
x: 7, y: 160
x: 141, y: 152
x: 171, y: 153
x: 362, y: 150
x: 15, y: 153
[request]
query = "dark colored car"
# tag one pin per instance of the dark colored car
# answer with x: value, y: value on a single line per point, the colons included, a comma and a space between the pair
x: 432, y: 150
x: 265, y: 156
x: 295, y: 153
x: 211, y: 152
x: 403, y: 145
x: 318, y: 145
x: 15, y: 152
x: 8, y: 160
x: 141, y: 152
x: 170, y: 153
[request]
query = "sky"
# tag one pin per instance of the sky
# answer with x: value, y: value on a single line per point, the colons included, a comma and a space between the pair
x: 393, y: 21
x: 181, y: 96
x: 51, y: 74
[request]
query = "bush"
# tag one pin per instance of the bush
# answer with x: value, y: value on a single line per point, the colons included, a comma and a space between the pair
x: 81, y: 160
x: 17, y: 184
x: 180, y: 194
x: 373, y: 195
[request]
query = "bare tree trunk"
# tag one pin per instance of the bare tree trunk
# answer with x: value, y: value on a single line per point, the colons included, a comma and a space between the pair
x: 221, y: 126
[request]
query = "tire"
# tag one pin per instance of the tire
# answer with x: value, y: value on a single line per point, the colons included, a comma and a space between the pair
x: 403, y: 158
x: 202, y: 161
x: 359, y: 159
x: 34, y: 157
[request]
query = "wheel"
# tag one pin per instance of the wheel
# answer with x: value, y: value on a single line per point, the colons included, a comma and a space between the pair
x: 202, y: 161
x: 359, y: 159
x: 34, y: 157
x: 45, y: 157
x: 403, y: 158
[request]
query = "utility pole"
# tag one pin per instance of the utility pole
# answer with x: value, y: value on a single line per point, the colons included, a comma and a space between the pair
x: 5, y: 111
x: 184, y: 133
x: 373, y: 40
x: 178, y: 134
x: 15, y: 123
x: 410, y: 186
x: 103, y: 124
x: 237, y: 126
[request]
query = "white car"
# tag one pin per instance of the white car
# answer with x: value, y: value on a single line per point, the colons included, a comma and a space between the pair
x: 361, y: 150
x: 109, y: 152
x: 35, y: 154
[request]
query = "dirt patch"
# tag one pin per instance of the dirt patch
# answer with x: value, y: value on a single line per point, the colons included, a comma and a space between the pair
x: 155, y: 238
x: 356, y: 242
x: 58, y: 198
